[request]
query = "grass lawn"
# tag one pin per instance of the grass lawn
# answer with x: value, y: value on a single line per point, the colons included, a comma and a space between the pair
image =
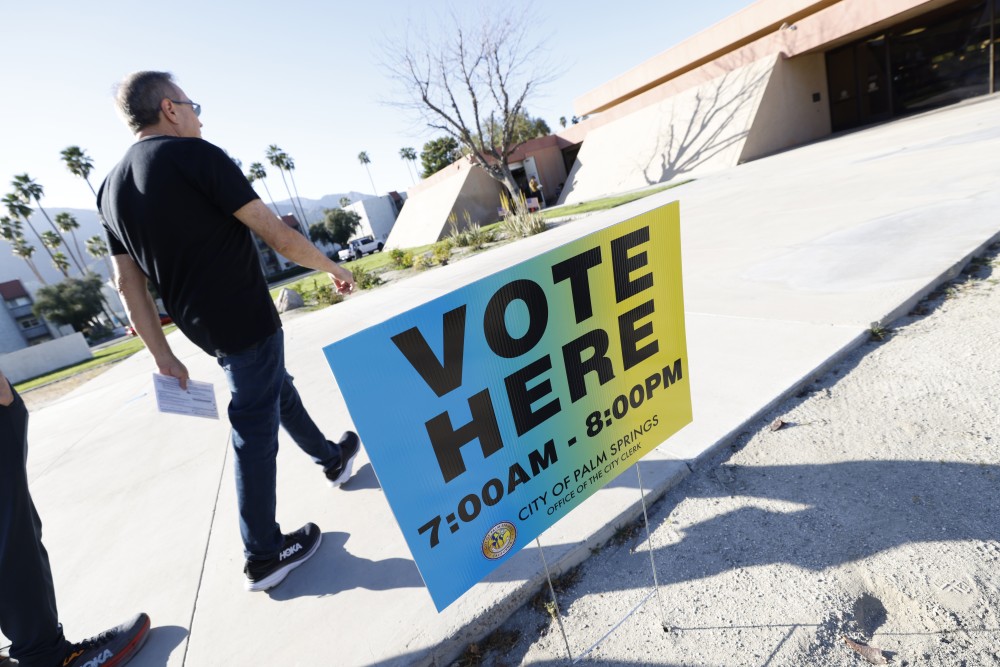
x: 107, y: 355
x: 606, y: 202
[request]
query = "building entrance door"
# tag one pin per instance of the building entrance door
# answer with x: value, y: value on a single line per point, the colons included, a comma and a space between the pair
x: 859, y: 84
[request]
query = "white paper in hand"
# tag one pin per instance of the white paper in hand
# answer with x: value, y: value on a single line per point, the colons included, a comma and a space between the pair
x: 198, y: 400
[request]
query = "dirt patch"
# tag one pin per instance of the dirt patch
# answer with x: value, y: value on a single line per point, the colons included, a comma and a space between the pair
x: 47, y: 394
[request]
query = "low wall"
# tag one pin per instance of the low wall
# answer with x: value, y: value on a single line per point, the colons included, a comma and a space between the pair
x: 40, y: 359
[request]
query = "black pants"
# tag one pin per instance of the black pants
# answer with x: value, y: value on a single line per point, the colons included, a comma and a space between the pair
x: 27, y: 598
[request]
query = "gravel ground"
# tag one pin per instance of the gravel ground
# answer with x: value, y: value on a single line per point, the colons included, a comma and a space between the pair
x: 872, y: 514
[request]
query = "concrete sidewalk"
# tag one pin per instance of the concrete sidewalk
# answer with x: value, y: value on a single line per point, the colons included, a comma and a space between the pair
x: 787, y: 263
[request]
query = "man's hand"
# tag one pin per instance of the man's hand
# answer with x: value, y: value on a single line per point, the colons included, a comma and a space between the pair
x: 174, y: 368
x: 6, y: 393
x: 344, y: 283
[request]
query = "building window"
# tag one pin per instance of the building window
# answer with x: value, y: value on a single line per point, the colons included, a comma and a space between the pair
x: 941, y: 57
x: 29, y: 323
x: 18, y: 301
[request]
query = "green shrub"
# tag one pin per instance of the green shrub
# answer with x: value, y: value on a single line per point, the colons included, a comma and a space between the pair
x: 326, y: 295
x: 366, y: 279
x: 456, y: 237
x: 471, y: 236
x: 96, y: 333
x: 397, y: 256
x: 478, y: 237
x: 421, y: 262
x: 520, y: 223
x: 442, y: 252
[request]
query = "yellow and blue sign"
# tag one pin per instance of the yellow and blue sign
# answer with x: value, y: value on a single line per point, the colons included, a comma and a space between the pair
x: 491, y: 412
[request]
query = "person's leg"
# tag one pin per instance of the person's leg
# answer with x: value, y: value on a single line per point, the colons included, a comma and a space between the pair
x: 336, y: 458
x: 255, y: 378
x: 28, y: 614
x: 296, y: 420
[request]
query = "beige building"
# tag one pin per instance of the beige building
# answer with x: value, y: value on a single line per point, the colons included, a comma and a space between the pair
x: 775, y: 75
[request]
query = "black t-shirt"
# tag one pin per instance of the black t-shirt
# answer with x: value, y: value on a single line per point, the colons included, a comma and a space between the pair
x: 169, y: 205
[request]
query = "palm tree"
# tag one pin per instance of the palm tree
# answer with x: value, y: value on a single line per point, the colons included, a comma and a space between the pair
x: 61, y: 263
x: 277, y: 158
x: 258, y: 173
x: 18, y: 210
x: 98, y: 249
x: 28, y: 189
x: 9, y: 228
x: 66, y: 222
x: 52, y: 241
x: 365, y: 160
x: 410, y: 155
x: 25, y: 250
x: 290, y: 167
x: 79, y: 164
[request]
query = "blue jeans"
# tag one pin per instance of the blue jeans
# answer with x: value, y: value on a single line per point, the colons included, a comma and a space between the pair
x: 27, y: 598
x: 263, y: 397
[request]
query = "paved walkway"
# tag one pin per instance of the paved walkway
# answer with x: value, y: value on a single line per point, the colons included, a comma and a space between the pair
x: 787, y: 263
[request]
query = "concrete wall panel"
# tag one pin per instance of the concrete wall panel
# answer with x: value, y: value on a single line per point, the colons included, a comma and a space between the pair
x: 789, y: 114
x: 44, y: 358
x: 424, y: 218
x: 701, y: 129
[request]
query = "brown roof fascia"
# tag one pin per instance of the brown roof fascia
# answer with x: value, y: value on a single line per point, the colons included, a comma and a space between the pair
x: 775, y: 14
x: 12, y: 289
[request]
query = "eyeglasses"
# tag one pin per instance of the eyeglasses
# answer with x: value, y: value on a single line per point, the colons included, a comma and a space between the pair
x: 194, y: 106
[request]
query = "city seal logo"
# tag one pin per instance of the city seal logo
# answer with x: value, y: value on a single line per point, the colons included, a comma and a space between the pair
x: 499, y: 540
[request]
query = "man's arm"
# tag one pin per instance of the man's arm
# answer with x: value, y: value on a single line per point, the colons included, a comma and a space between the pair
x: 289, y: 243
x: 141, y: 310
x: 6, y: 393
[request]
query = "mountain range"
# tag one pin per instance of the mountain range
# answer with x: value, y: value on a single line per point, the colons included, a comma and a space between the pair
x: 12, y: 267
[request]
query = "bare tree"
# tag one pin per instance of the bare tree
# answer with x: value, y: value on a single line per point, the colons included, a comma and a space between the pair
x: 472, y: 83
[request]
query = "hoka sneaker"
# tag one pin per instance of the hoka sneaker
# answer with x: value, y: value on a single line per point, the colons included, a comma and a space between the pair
x: 350, y: 445
x: 111, y: 648
x: 298, y: 547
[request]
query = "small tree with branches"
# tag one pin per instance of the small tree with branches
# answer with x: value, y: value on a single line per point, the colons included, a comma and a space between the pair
x: 472, y: 83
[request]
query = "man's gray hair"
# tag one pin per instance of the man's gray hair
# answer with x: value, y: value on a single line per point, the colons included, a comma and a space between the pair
x: 139, y: 95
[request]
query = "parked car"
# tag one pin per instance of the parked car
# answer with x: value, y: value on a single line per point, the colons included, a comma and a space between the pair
x: 359, y: 247
x: 164, y: 320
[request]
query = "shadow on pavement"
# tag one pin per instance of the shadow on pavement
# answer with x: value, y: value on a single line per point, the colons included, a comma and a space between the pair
x: 363, y: 478
x: 162, y: 641
x: 333, y: 570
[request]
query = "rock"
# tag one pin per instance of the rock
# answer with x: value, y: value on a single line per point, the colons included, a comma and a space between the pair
x: 288, y: 300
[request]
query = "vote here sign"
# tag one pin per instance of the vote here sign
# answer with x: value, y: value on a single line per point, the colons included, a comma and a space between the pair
x: 494, y: 410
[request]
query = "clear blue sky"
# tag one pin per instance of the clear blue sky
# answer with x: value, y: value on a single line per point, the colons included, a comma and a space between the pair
x: 303, y: 75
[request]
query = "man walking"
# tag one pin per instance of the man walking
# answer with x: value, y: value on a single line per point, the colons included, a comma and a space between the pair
x: 179, y: 212
x: 28, y: 614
